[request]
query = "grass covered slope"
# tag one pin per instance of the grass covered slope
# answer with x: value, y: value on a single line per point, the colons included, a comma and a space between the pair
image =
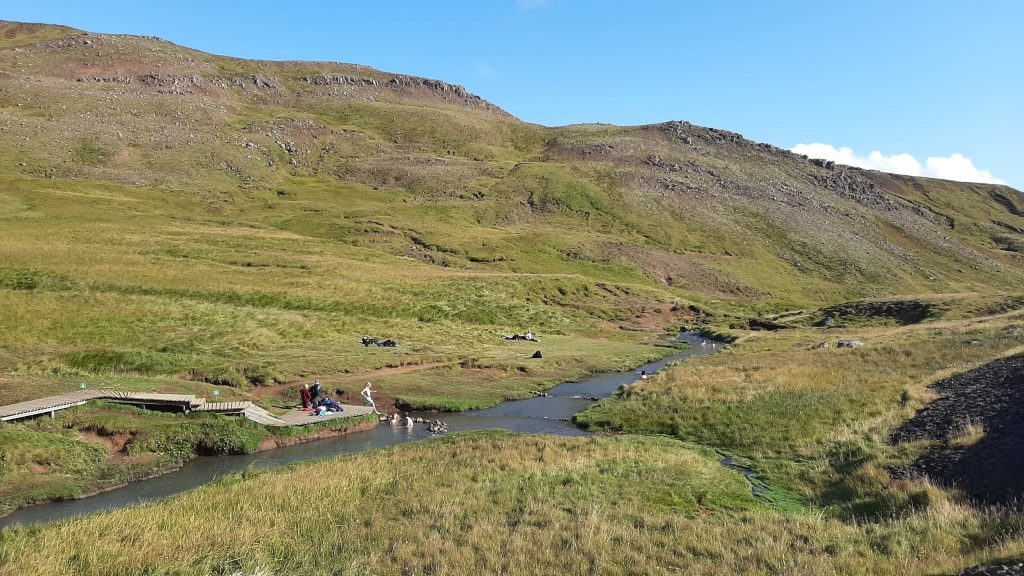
x: 245, y: 222
x: 817, y: 422
x: 500, y: 503
x: 128, y: 287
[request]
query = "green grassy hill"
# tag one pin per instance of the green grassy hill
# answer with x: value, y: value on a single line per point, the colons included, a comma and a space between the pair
x: 178, y: 221
x: 170, y: 212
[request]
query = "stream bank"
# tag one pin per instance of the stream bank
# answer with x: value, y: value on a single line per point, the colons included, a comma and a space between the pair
x: 549, y: 414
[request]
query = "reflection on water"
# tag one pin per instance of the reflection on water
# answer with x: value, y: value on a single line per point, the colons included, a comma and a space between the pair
x: 535, y: 415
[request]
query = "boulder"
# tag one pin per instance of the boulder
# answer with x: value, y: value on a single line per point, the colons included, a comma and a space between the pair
x: 826, y: 322
x: 827, y: 164
x: 849, y: 344
x: 820, y: 346
x: 537, y: 354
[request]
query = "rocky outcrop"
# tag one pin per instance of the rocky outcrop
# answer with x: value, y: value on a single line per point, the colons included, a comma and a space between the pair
x: 445, y: 90
x: 257, y: 81
x: 693, y: 135
x: 162, y: 80
x: 1005, y: 569
x: 338, y: 80
x: 436, y: 85
x: 853, y: 187
x: 826, y: 164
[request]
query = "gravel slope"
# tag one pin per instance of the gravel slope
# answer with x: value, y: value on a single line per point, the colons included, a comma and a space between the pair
x: 992, y: 469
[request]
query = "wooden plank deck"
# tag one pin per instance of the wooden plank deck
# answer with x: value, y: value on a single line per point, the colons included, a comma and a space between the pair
x: 225, y: 407
x: 261, y: 416
x: 184, y: 401
x: 51, y: 404
x: 299, y: 418
x: 47, y: 404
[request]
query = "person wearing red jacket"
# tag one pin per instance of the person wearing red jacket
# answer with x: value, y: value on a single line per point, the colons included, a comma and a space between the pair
x: 307, y: 396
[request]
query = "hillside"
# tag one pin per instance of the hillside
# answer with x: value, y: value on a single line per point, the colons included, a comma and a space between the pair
x: 174, y: 214
x: 175, y: 221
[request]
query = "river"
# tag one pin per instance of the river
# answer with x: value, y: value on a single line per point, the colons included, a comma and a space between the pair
x: 538, y: 415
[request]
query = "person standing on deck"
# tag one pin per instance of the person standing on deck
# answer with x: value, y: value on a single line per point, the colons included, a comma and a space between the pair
x: 307, y: 398
x: 368, y: 398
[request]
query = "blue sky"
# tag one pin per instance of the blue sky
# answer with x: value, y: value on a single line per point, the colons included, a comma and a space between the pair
x: 934, y: 87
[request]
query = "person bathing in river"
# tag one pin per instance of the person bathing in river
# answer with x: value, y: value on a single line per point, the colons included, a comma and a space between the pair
x: 368, y: 398
x: 306, y: 396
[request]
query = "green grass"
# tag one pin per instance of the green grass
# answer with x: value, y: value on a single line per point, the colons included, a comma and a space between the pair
x: 814, y: 422
x: 494, y: 502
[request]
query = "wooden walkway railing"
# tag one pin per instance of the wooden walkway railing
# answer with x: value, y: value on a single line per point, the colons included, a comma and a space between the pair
x: 185, y: 402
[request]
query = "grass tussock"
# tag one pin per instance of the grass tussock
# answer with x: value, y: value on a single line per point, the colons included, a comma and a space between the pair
x: 968, y: 435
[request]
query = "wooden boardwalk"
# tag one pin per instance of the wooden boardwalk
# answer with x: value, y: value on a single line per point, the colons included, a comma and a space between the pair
x: 299, y: 418
x: 47, y: 405
x: 184, y: 402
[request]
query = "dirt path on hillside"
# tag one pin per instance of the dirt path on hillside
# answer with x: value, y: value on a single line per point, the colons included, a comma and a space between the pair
x: 654, y: 320
x: 286, y: 391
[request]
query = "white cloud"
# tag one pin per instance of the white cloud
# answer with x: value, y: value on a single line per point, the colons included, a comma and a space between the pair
x: 531, y: 4
x: 953, y: 167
